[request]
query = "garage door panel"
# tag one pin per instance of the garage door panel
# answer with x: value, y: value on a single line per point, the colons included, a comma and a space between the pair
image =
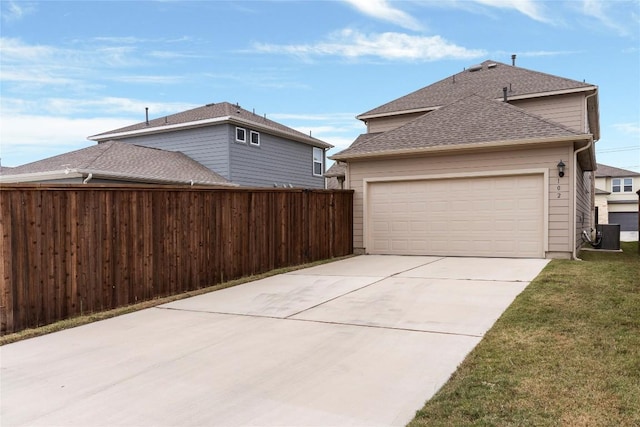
x: 488, y: 216
x: 628, y: 221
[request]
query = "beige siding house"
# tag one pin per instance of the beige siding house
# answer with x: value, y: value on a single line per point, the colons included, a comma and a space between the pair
x: 471, y: 166
x: 617, y: 199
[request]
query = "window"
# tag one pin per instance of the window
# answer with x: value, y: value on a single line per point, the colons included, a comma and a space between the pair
x: 622, y: 185
x: 254, y: 138
x: 318, y: 161
x: 241, y: 135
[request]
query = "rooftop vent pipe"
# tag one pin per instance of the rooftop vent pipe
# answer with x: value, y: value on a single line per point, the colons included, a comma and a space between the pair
x: 513, y: 59
x: 504, y: 93
x: 146, y: 113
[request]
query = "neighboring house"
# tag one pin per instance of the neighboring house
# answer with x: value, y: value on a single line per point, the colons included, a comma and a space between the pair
x: 335, y: 176
x: 616, y: 198
x: 244, y: 148
x: 116, y: 162
x: 494, y: 161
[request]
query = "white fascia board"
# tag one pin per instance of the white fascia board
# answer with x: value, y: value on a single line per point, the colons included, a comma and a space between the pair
x: 460, y: 147
x: 551, y: 93
x: 365, y: 117
x: 207, y: 122
x: 150, y: 179
x: 39, y: 176
x: 509, y: 98
x: 157, y: 129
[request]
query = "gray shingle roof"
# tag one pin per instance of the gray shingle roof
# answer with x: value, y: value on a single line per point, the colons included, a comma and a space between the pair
x: 337, y: 169
x: 208, y: 112
x: 604, y: 171
x: 130, y: 162
x: 470, y: 120
x: 488, y: 81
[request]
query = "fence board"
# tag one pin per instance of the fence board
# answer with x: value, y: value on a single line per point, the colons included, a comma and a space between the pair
x: 72, y: 249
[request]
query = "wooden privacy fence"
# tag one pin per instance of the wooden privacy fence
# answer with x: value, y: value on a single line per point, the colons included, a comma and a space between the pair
x: 74, y: 249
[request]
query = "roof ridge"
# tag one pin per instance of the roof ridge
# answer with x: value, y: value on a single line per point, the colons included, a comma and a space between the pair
x: 483, y: 120
x: 487, y: 78
x: 101, y: 153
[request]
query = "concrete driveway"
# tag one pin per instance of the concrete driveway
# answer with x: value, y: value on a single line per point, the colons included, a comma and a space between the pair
x: 362, y: 341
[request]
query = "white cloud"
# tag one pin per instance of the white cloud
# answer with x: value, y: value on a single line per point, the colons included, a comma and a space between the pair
x: 338, y: 129
x: 602, y: 12
x: 628, y: 128
x: 106, y: 107
x: 78, y: 64
x: 148, y: 79
x: 26, y: 138
x: 14, y: 11
x: 314, y: 117
x: 382, y: 9
x: 531, y: 8
x: 354, y: 44
x: 36, y: 129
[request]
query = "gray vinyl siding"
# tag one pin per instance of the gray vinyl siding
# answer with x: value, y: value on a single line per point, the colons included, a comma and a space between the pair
x: 276, y: 161
x: 208, y: 145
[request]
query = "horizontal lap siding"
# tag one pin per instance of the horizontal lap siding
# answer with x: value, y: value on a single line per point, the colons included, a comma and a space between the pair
x: 542, y: 157
x: 208, y: 146
x: 383, y: 124
x: 568, y: 110
x: 75, y: 250
x: 275, y: 161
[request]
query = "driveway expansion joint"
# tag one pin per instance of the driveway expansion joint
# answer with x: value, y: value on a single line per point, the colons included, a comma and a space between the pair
x: 325, y: 322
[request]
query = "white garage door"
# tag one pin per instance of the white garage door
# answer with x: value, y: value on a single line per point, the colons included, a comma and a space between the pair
x: 484, y: 216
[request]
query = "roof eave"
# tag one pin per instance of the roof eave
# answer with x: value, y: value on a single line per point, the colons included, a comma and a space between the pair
x: 459, y: 147
x: 366, y: 116
x: 149, y: 179
x: 208, y: 122
x: 97, y: 174
x: 38, y: 176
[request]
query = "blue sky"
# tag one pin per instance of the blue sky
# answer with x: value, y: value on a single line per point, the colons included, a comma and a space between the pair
x: 70, y: 69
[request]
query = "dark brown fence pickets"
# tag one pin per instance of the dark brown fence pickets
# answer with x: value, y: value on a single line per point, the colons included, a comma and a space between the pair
x: 74, y: 249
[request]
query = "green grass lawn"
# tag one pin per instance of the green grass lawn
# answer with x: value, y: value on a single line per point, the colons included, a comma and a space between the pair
x: 566, y: 352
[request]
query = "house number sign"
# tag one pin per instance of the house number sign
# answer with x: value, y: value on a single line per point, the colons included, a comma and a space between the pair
x: 558, y: 188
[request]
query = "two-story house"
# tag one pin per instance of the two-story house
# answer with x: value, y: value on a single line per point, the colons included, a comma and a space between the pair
x: 495, y: 160
x: 616, y: 199
x: 245, y: 148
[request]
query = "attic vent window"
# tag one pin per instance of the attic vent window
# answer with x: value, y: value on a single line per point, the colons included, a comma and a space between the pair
x: 475, y: 68
x: 241, y: 135
x: 254, y: 138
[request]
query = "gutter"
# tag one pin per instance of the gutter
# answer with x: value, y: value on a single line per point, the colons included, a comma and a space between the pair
x: 575, y: 201
x: 366, y: 116
x: 206, y: 122
x: 90, y: 174
x: 458, y: 147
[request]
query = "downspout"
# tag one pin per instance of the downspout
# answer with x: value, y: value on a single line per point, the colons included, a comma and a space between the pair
x: 88, y: 178
x: 575, y: 184
x: 324, y: 167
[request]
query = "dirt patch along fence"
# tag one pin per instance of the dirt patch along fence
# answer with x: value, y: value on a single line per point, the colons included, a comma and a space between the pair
x: 74, y: 249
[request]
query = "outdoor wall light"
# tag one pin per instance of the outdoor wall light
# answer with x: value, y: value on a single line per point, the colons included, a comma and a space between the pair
x: 561, y: 166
